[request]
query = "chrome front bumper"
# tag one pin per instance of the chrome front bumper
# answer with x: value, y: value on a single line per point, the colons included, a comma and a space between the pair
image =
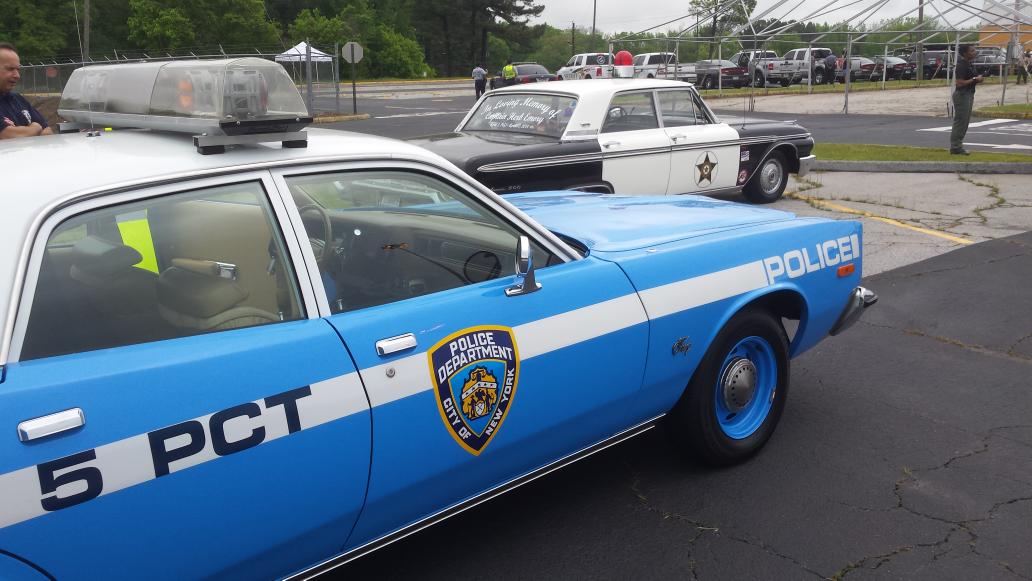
x: 806, y: 164
x: 859, y: 300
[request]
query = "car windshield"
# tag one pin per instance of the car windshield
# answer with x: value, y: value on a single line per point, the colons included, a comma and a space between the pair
x: 531, y: 70
x: 523, y: 113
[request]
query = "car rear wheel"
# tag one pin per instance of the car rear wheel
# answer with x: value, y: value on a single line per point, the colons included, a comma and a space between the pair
x: 818, y: 77
x: 769, y: 181
x: 707, y: 82
x: 758, y: 80
x: 735, y: 398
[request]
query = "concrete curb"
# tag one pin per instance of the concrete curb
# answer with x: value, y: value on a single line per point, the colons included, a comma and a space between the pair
x: 924, y: 166
x: 1001, y: 115
x: 337, y: 118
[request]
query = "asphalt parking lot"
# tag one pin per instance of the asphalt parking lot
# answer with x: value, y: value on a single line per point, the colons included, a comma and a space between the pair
x: 905, y: 450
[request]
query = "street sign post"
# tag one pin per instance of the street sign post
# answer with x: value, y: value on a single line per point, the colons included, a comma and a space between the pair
x: 352, y: 52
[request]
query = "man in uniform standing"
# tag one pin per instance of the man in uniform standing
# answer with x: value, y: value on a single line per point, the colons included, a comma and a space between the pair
x: 479, y: 80
x: 18, y: 118
x: 508, y: 74
x: 963, y: 97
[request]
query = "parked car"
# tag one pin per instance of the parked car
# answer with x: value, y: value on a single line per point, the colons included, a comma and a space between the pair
x: 859, y: 67
x: 663, y: 65
x: 607, y: 136
x: 797, y: 65
x: 264, y: 362
x: 525, y: 73
x: 990, y: 61
x: 895, y: 68
x: 936, y: 63
x: 713, y: 73
x: 588, y: 65
x: 756, y: 62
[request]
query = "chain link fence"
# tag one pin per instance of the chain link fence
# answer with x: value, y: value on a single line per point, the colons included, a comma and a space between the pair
x: 320, y: 89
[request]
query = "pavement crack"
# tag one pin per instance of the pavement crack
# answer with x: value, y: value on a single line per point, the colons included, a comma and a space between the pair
x: 702, y: 529
x: 996, y: 200
x: 980, y: 349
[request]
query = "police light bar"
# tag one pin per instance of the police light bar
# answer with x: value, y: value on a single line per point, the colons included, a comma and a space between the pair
x: 223, y: 102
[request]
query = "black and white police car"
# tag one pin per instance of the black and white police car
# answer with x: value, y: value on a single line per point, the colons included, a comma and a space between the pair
x: 622, y: 135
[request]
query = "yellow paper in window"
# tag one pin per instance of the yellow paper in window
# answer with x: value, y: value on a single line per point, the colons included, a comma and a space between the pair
x: 137, y: 235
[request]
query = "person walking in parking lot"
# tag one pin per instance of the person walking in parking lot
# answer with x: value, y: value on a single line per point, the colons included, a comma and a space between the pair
x: 479, y: 80
x: 829, y: 68
x: 509, y: 74
x: 18, y: 118
x: 963, y: 97
x: 1024, y: 62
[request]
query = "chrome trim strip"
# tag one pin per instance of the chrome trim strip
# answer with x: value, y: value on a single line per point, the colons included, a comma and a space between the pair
x: 371, y: 546
x: 541, y: 162
x: 806, y: 164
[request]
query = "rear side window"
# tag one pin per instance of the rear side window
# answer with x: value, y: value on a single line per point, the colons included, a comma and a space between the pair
x: 631, y: 112
x: 162, y: 268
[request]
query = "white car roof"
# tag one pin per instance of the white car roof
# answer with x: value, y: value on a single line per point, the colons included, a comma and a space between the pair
x: 593, y: 96
x: 47, y: 172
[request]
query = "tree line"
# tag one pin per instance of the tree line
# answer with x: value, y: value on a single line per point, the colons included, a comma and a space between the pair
x: 402, y: 38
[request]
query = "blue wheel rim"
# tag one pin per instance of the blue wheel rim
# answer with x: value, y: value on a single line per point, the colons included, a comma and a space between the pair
x: 741, y: 421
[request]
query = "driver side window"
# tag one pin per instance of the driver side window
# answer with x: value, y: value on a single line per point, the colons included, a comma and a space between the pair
x: 385, y: 236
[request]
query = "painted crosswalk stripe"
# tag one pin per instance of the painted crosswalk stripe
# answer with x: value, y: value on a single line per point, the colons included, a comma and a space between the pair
x: 948, y: 128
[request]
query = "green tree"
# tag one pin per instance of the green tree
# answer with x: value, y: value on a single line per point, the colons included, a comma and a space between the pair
x: 170, y: 25
x: 721, y: 19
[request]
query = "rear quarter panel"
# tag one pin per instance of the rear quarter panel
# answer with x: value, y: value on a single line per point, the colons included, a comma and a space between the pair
x: 691, y: 289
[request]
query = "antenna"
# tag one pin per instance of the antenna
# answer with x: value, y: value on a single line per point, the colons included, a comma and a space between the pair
x: 82, y: 55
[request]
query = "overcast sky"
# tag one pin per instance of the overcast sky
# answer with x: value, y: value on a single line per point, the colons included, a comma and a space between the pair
x: 637, y: 15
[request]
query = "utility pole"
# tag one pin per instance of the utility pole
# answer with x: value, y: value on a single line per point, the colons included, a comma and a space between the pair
x: 86, y: 30
x: 594, y: 11
x: 920, y: 52
x: 573, y: 38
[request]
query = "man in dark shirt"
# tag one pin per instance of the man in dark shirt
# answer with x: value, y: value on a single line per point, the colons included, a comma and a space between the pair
x: 963, y: 97
x: 18, y: 118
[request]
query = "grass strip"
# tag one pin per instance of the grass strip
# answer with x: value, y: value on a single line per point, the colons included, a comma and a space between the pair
x: 868, y: 152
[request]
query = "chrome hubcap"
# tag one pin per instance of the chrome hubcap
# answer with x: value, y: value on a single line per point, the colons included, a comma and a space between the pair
x: 738, y: 384
x: 770, y: 177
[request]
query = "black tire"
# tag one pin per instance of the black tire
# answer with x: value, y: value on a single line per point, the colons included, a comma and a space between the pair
x: 707, y: 82
x: 786, y: 82
x: 716, y: 385
x: 818, y: 77
x: 769, y: 181
x: 758, y: 81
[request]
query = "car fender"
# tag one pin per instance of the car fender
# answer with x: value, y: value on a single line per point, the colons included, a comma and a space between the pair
x: 14, y: 568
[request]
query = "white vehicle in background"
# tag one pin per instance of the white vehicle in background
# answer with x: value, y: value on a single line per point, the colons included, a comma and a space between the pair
x: 588, y: 65
x: 663, y: 65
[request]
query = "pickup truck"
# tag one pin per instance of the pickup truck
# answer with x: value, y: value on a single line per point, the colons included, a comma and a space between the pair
x: 587, y: 65
x: 803, y: 60
x: 663, y: 65
x: 763, y: 66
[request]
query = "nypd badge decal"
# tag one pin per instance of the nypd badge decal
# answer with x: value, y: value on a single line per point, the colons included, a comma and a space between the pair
x: 475, y: 372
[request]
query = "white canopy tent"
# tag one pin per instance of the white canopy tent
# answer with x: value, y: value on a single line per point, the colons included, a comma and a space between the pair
x: 299, y: 53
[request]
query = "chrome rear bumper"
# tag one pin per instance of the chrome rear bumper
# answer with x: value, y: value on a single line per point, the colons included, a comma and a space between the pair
x: 859, y: 300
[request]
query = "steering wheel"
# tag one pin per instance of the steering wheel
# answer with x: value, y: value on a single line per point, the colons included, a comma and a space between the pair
x: 321, y: 247
x: 482, y: 265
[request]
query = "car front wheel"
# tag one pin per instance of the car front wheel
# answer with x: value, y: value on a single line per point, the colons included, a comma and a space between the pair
x: 758, y: 80
x: 735, y: 398
x: 818, y: 77
x: 769, y: 181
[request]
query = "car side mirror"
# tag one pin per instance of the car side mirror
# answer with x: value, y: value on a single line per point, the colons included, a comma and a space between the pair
x: 526, y: 282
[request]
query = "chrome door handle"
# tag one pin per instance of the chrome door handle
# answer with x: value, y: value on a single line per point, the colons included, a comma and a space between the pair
x: 49, y: 425
x: 395, y: 344
x: 677, y: 136
x: 609, y: 144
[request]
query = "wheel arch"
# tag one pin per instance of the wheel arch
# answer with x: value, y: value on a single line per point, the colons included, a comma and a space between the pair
x: 783, y: 302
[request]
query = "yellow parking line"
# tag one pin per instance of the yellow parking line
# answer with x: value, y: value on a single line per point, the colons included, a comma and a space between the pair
x: 847, y: 210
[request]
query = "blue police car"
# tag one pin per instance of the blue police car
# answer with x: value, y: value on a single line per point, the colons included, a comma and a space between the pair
x: 270, y: 360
